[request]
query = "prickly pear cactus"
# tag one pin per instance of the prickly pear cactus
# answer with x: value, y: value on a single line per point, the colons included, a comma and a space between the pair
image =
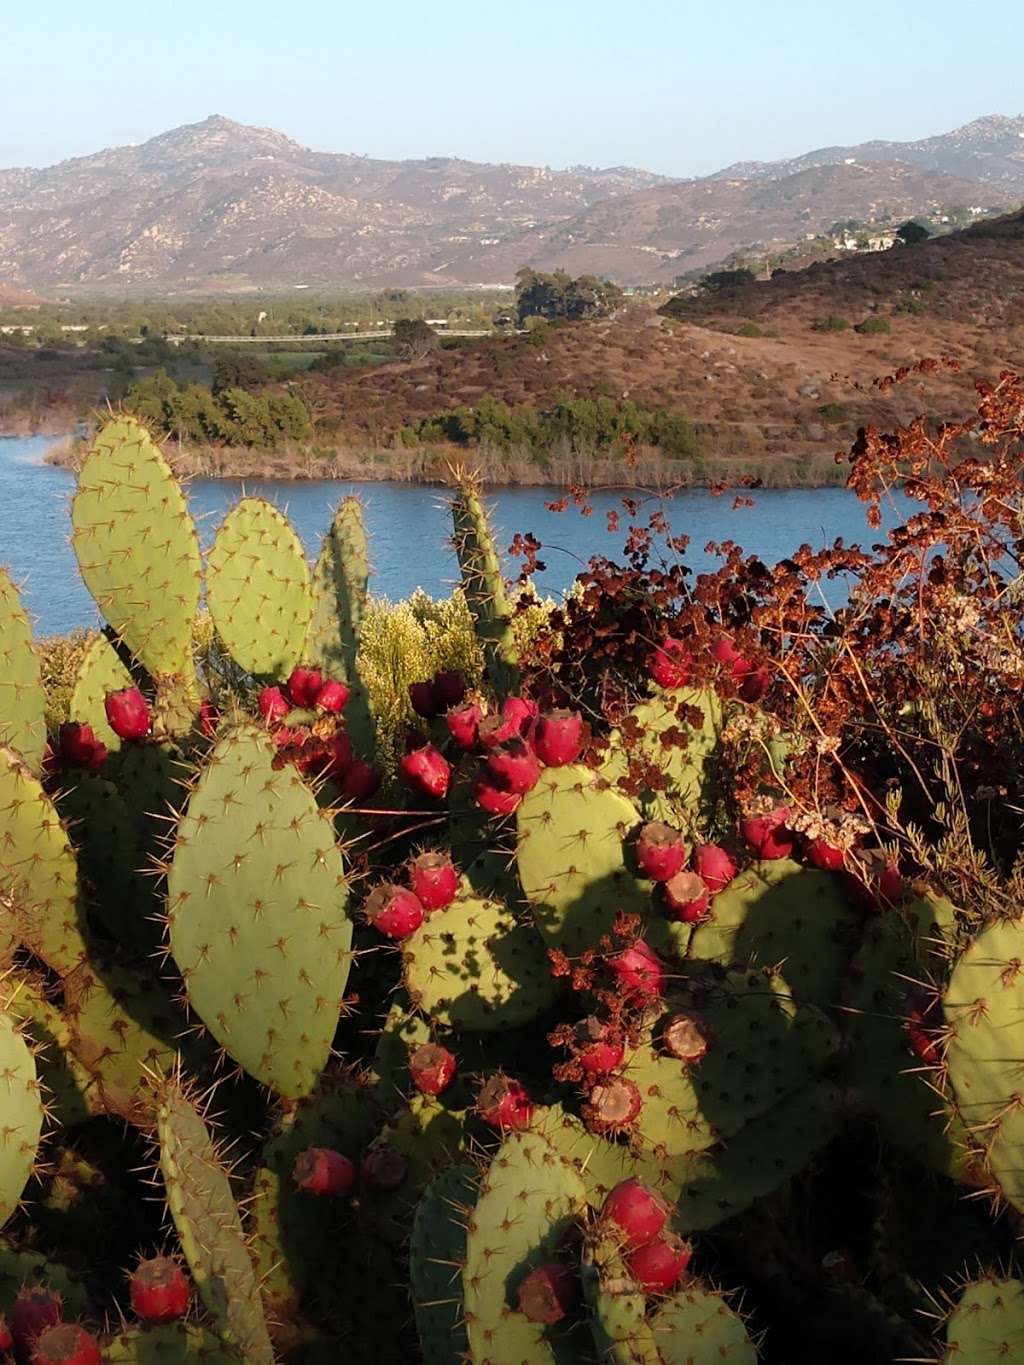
x: 695, y: 1326
x: 618, y: 1320
x: 22, y: 1116
x: 673, y: 737
x: 339, y: 594
x: 436, y: 1252
x: 175, y: 1343
x: 987, y: 1325
x: 22, y: 724
x: 99, y: 673
x: 483, y: 584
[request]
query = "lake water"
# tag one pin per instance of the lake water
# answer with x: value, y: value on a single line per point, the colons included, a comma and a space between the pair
x: 409, y: 527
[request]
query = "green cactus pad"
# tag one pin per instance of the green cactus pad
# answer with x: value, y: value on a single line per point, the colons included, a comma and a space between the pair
x: 472, y: 966
x: 778, y: 912
x: 100, y: 672
x: 71, y: 1089
x: 209, y: 1228
x: 571, y: 859
x: 529, y: 1199
x: 622, y: 1334
x: 136, y: 546
x: 339, y: 594
x: 661, y: 734
x: 257, y: 589
x: 984, y: 1011
x: 22, y: 720
x: 22, y: 1119
x: 176, y: 1343
x: 403, y: 1029
x: 38, y: 873
x: 987, y: 1325
x: 436, y: 1252
x: 483, y: 585
x: 696, y: 1326
x: 600, y: 1164
x: 256, y: 914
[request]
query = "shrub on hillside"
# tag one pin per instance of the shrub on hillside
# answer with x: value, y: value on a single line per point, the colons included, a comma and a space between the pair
x: 832, y: 322
x: 873, y: 326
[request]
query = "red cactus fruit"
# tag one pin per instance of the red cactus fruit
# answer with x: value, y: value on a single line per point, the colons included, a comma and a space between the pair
x: 332, y: 697
x: 394, y: 911
x: 612, y: 1105
x: 361, y: 780
x: 521, y: 712
x: 160, y: 1290
x: 824, y: 856
x: 671, y: 664
x: 598, y: 1051
x: 273, y: 704
x: 304, y: 687
x: 6, y: 1340
x: 637, y: 1214
x: 493, y: 799
x: 713, y: 864
x: 33, y: 1311
x: 128, y: 713
x: 687, y: 1036
x: 208, y: 718
x: 639, y: 970
x: 660, y: 851
x: 427, y: 771
x: 558, y: 737
x: 687, y: 897
x: 463, y: 724
x: 725, y: 652
x: 495, y: 730
x: 924, y: 1017
x: 514, y: 766
x: 890, y: 887
x: 754, y: 683
x: 66, y: 1344
x: 288, y: 737
x: 504, y: 1103
x: 383, y: 1169
x: 321, y: 1170
x: 661, y: 1264
x: 78, y: 747
x: 767, y: 836
x: 424, y: 699
x: 549, y: 1293
x: 432, y: 1068
x: 449, y: 688
x: 883, y: 888
x: 337, y: 757
x: 434, y: 878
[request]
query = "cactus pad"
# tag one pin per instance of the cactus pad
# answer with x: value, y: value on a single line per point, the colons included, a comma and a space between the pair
x: 483, y: 585
x: 176, y: 1343
x: 100, y: 672
x: 987, y: 1325
x: 622, y: 1334
x: 257, y: 589
x: 436, y: 1252
x: 339, y: 594
x: 256, y: 914
x: 674, y: 747
x: 695, y: 1326
x: 22, y: 1116
x: 22, y: 723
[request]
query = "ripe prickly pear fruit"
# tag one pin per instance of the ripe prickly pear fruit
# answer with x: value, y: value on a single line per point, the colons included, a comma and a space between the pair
x: 713, y: 864
x: 424, y: 700
x: 660, y: 851
x: 394, y: 911
x: 360, y: 781
x: 33, y: 1311
x: 128, y: 713
x: 432, y: 1068
x: 208, y: 718
x: 434, y: 879
x: 449, y: 688
x: 767, y: 836
x: 598, y: 1051
x: 491, y: 798
x: 613, y: 1105
x: 754, y: 684
x: 337, y: 757
x: 687, y: 1036
x: 521, y: 712
x: 321, y: 1170
x: 78, y: 747
x: 383, y: 1169
x: 273, y: 704
x: 890, y: 886
x: 639, y: 970
x: 881, y: 887
x: 924, y: 1017
x: 66, y: 1344
x: 725, y: 652
x: 660, y: 1265
x: 332, y: 697
x: 635, y: 1212
x: 671, y: 664
x: 463, y: 724
x: 824, y: 856
x: 160, y: 1290
x: 549, y: 1293
x: 558, y: 737
x: 427, y: 771
x: 495, y: 730
x: 514, y: 766
x: 504, y: 1103
x: 687, y: 897
x: 304, y: 687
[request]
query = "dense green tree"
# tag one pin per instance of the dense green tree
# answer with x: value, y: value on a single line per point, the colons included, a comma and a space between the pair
x: 718, y: 280
x: 911, y: 232
x: 413, y: 339
x: 558, y: 295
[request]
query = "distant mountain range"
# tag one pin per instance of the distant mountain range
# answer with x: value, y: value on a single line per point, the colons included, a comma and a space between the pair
x: 219, y: 205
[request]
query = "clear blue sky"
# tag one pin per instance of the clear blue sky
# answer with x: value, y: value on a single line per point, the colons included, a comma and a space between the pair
x: 679, y: 87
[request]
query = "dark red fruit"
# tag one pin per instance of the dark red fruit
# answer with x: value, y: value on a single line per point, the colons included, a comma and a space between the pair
x: 424, y: 700
x: 687, y: 1036
x: 687, y: 897
x: 273, y: 704
x: 337, y: 757
x: 613, y: 1105
x: 924, y: 1017
x: 767, y: 836
x: 598, y: 1051
x: 637, y: 1213
x: 160, y: 1290
x: 495, y: 730
x: 558, y: 737
x: 725, y: 652
x: 671, y: 664
x: 427, y: 771
x: 449, y: 688
x: 754, y: 684
x: 383, y: 1169
x: 639, y: 970
x: 434, y: 878
x: 521, y: 712
x: 288, y: 737
x: 549, y: 1293
x: 504, y: 1103
x: 661, y: 1264
x: 79, y: 748
x: 824, y: 856
x: 304, y: 687
x: 394, y: 911
x: 432, y: 1068
x: 6, y: 1340
x: 321, y: 1170
x: 494, y: 800
x: 514, y: 766
x: 332, y: 697
x: 360, y: 781
x: 713, y: 864
x: 66, y: 1344
x: 660, y: 851
x: 33, y: 1311
x: 208, y: 718
x: 890, y: 886
x: 128, y: 713
x: 463, y: 724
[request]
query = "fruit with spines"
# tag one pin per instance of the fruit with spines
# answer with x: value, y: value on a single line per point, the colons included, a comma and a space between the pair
x: 504, y: 1103
x: 660, y: 851
x: 432, y: 1068
x: 128, y: 714
x: 434, y: 879
x: 549, y: 1293
x: 513, y: 766
x: 35, y: 1309
x: 426, y: 771
x: 687, y: 897
x: 558, y: 737
x: 67, y: 1343
x: 635, y: 1213
x: 660, y: 1264
x: 638, y: 971
x: 394, y: 911
x: 671, y: 663
x: 714, y: 866
x: 768, y: 836
x: 463, y: 724
x: 159, y: 1290
x: 321, y: 1170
